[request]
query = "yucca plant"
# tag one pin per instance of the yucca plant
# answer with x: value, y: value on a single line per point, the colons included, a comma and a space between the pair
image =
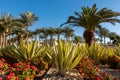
x: 117, y: 50
x: 26, y: 51
x: 65, y: 56
x: 96, y: 52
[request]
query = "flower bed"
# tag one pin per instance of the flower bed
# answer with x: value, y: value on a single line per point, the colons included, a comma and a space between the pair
x: 18, y: 71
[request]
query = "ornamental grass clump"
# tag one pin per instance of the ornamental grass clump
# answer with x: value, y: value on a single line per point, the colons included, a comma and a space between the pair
x: 65, y: 56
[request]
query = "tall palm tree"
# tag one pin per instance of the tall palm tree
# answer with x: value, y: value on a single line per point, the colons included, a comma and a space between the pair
x: 28, y: 19
x: 9, y: 23
x: 2, y: 29
x: 90, y: 18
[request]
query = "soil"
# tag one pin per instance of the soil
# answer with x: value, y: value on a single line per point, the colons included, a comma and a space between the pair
x: 74, y: 74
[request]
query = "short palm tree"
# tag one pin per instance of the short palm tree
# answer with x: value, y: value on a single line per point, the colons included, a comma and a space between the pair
x: 90, y: 18
x: 69, y: 32
x: 102, y: 33
x: 58, y: 32
x: 51, y: 32
x: 112, y: 36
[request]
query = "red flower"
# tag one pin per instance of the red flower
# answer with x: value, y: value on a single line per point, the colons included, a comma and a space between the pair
x: 28, y: 60
x: 17, y: 78
x: 1, y: 65
x: 104, y: 74
x: 83, y: 74
x: 12, y: 74
x: 34, y: 68
x: 28, y: 67
x: 27, y: 78
x: 0, y: 78
x: 15, y: 64
x: 97, y: 77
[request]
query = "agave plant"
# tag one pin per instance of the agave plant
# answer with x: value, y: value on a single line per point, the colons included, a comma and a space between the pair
x: 65, y: 56
x: 26, y: 51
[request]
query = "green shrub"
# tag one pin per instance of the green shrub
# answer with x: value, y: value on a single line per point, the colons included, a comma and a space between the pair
x: 65, y: 56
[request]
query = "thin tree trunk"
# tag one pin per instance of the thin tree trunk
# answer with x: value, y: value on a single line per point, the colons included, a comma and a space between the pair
x: 58, y: 37
x: 0, y: 39
x: 104, y: 40
x: 51, y: 40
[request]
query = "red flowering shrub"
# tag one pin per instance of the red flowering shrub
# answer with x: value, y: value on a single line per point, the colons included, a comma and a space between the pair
x: 24, y: 70
x: 19, y: 71
x: 4, y: 66
x: 88, y: 69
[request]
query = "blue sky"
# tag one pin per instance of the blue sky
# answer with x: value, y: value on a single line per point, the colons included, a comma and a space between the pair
x: 52, y: 13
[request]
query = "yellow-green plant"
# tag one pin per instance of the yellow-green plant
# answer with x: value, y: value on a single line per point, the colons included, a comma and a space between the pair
x: 26, y: 51
x: 97, y: 52
x: 117, y: 50
x: 65, y: 56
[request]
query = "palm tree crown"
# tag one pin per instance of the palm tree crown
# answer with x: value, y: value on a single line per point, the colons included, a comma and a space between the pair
x: 90, y: 18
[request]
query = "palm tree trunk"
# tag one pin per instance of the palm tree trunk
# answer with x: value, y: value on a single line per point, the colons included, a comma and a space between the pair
x: 0, y: 39
x: 104, y: 40
x: 19, y: 39
x: 4, y: 39
x: 88, y: 35
x: 101, y: 39
x: 51, y: 40
x: 67, y: 38
x: 58, y: 37
x: 45, y: 41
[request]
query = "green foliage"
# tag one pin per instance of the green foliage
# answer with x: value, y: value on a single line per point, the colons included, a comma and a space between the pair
x: 77, y: 39
x: 65, y: 56
x: 117, y: 50
x: 25, y: 51
x: 97, y: 52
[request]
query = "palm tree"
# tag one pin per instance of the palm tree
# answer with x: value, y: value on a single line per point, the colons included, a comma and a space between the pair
x: 45, y: 35
x: 90, y: 18
x: 28, y: 19
x: 102, y: 33
x: 51, y: 32
x: 2, y: 29
x: 112, y: 36
x: 36, y: 32
x: 59, y: 31
x: 8, y: 22
x: 77, y: 39
x: 19, y: 33
x: 68, y: 32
